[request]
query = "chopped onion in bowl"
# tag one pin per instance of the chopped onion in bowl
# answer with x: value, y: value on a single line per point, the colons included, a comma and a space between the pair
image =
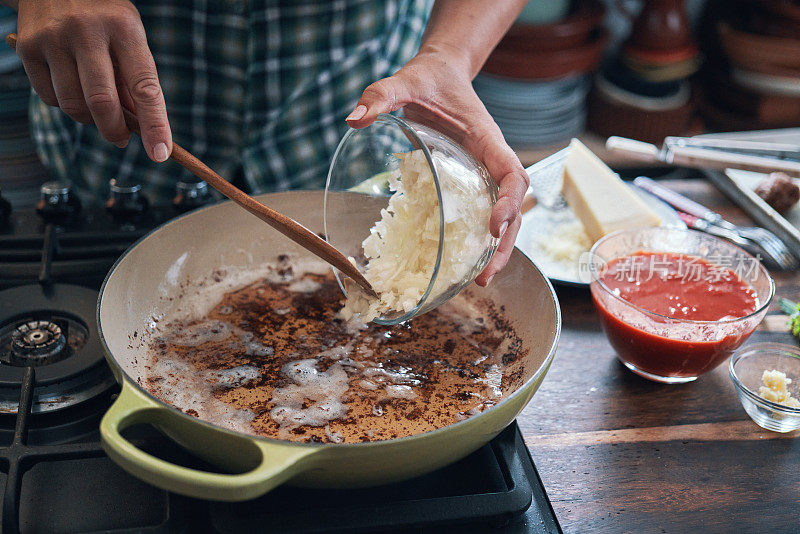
x: 402, y: 247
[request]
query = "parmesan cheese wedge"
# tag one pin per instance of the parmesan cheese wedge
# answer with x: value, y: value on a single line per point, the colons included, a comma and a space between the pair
x: 600, y: 200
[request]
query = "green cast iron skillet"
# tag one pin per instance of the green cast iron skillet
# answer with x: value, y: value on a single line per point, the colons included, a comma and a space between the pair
x: 146, y: 282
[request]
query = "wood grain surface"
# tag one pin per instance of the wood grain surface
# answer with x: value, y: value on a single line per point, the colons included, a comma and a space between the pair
x: 618, y: 453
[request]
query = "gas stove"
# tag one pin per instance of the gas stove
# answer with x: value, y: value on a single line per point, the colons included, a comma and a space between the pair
x: 55, y: 387
x: 63, y: 241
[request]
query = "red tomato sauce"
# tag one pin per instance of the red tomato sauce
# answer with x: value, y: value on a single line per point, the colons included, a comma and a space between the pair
x: 680, y: 288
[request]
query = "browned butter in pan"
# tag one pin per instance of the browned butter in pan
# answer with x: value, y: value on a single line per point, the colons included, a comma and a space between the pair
x: 274, y: 359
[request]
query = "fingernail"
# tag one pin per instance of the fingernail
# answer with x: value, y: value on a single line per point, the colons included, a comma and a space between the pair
x: 160, y: 152
x: 489, y: 281
x: 122, y: 144
x: 357, y: 113
x: 503, y: 228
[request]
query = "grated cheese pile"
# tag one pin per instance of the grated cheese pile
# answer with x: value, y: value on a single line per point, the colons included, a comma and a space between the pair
x: 402, y: 246
x: 775, y: 389
x: 571, y: 243
x: 555, y: 240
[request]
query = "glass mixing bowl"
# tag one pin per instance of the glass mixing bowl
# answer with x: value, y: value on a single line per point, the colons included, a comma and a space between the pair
x: 668, y: 349
x: 357, y: 190
x: 746, y: 368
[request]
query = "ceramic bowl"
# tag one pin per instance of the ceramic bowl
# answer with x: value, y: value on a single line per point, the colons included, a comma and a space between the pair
x: 548, y: 64
x: 567, y: 33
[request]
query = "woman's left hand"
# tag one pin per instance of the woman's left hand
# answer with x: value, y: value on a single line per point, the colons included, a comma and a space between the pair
x: 435, y: 88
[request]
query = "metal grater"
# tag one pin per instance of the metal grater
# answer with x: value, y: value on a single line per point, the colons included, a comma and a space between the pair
x: 546, y: 177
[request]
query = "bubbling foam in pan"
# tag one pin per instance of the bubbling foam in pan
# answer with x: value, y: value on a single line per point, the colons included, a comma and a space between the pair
x: 273, y: 357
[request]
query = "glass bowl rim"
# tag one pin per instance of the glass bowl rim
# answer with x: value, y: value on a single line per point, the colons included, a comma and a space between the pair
x: 593, y: 271
x: 766, y: 346
x: 406, y: 127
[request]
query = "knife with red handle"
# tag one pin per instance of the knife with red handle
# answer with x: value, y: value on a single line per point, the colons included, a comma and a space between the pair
x: 702, y: 225
x: 678, y: 201
x: 689, y: 220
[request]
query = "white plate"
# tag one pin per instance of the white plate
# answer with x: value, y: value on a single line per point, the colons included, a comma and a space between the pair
x: 547, y: 223
x: 531, y: 113
x: 523, y: 93
x: 542, y: 221
x: 544, y: 136
x: 501, y: 100
x: 536, y: 126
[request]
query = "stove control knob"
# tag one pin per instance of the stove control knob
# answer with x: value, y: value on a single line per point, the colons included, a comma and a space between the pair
x: 126, y: 200
x: 5, y: 209
x: 57, y: 201
x: 190, y: 195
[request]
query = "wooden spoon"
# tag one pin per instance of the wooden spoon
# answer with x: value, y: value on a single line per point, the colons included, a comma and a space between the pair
x: 285, y: 225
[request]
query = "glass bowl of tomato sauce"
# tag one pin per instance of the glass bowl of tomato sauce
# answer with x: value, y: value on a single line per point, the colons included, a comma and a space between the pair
x: 676, y: 303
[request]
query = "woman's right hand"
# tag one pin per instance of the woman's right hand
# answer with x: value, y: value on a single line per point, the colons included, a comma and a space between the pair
x: 89, y: 56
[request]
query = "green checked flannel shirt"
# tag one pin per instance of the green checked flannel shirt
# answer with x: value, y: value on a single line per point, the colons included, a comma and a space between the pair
x: 255, y: 88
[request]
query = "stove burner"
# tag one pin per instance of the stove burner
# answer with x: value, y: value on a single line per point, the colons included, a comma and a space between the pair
x: 37, y: 343
x: 54, y: 331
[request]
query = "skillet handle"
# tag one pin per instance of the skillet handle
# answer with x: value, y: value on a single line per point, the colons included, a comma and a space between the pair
x: 270, y: 464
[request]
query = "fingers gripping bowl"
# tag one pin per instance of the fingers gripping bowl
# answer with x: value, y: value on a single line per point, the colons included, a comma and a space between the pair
x: 146, y: 283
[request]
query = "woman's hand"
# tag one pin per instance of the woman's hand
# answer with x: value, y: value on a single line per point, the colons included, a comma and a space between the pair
x: 435, y: 88
x: 71, y: 50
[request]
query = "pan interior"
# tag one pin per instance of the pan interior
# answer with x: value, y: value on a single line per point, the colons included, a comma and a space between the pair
x: 223, y: 247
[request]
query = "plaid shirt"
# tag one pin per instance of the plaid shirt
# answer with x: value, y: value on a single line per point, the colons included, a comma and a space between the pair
x: 254, y: 88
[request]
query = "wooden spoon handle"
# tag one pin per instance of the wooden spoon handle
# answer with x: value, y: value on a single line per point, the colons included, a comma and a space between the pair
x: 285, y: 225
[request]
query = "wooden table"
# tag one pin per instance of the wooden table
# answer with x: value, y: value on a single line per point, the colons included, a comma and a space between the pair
x: 618, y: 453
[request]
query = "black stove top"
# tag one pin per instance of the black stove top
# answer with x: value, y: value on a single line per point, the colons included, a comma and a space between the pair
x: 55, y: 386
x: 52, y: 328
x: 75, y: 488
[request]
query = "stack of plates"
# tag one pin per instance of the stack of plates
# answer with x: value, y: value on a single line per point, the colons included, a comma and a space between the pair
x: 535, y: 81
x: 535, y: 113
x: 21, y: 172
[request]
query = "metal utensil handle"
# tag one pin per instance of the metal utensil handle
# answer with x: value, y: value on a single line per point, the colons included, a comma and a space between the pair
x: 702, y: 225
x: 761, y: 148
x: 704, y: 158
x: 688, y: 220
x: 676, y: 200
x: 634, y: 149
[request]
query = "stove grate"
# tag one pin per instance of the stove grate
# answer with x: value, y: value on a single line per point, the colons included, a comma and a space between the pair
x: 20, y: 457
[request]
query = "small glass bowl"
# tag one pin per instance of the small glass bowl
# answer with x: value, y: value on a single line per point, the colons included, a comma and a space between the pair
x: 357, y: 190
x: 667, y: 349
x: 746, y: 368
